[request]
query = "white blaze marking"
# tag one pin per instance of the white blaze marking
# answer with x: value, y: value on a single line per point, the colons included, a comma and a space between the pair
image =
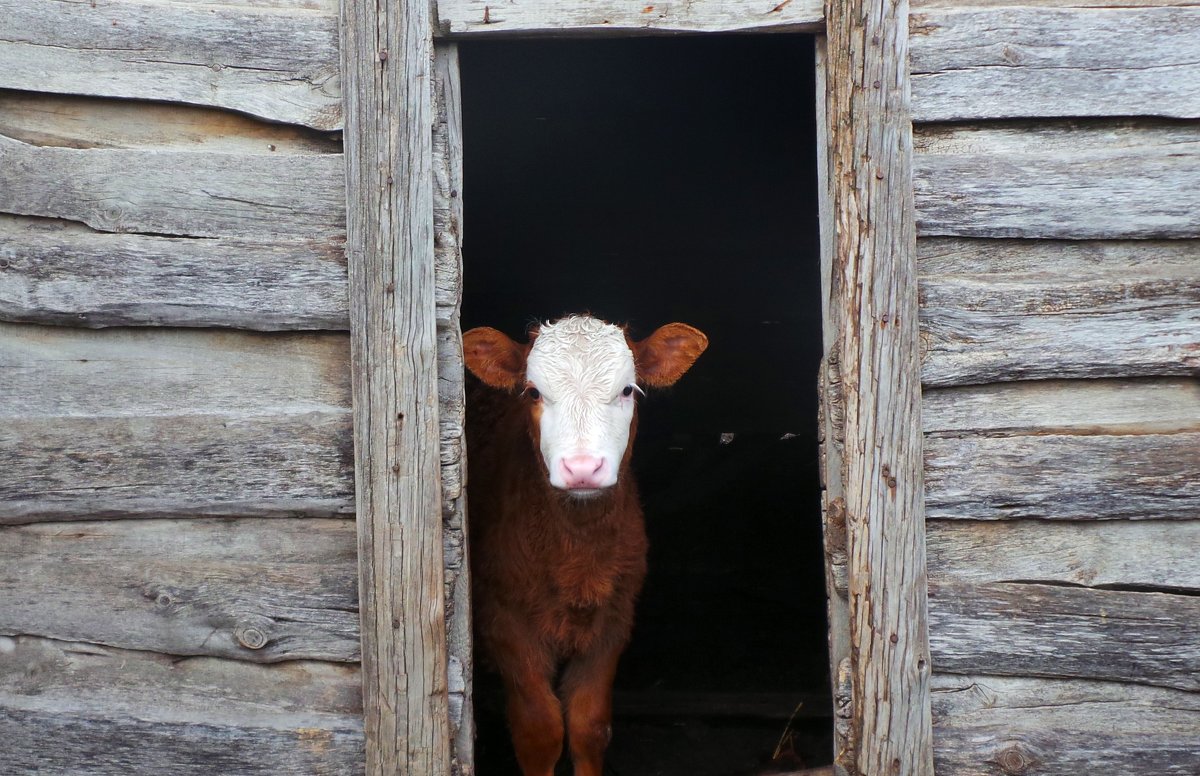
x: 581, y: 366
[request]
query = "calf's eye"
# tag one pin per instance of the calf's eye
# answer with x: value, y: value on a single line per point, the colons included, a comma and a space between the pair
x: 533, y: 393
x: 628, y: 391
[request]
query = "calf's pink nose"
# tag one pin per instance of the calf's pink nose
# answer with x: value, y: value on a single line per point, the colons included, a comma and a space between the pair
x: 582, y: 471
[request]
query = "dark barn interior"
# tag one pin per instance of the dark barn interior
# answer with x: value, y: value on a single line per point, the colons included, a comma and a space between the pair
x: 655, y: 180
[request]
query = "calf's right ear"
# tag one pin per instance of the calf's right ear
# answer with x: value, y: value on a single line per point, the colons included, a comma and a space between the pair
x: 494, y: 358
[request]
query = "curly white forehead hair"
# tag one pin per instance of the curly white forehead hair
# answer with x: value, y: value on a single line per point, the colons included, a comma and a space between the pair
x: 580, y: 354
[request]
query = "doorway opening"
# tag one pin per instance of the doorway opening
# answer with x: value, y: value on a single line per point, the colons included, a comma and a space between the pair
x: 653, y: 180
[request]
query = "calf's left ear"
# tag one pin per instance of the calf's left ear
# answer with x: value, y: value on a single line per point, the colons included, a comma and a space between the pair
x: 494, y: 358
x: 665, y: 355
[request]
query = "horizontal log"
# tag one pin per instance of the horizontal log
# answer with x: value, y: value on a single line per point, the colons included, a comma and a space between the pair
x: 989, y: 63
x: 150, y: 422
x: 1063, y: 476
x: 1063, y: 179
x: 278, y: 63
x: 999, y: 726
x: 83, y: 709
x: 1115, y: 553
x: 532, y: 17
x: 189, y: 193
x: 1011, y: 309
x: 60, y: 272
x: 262, y: 590
x: 1025, y: 629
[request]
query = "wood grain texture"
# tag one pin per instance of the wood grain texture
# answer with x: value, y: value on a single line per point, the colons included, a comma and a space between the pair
x: 1087, y: 179
x: 262, y: 590
x: 1000, y: 726
x: 97, y: 711
x: 1158, y: 554
x: 277, y: 63
x: 1029, y: 629
x: 64, y: 273
x: 592, y: 17
x: 874, y: 313
x: 1015, y: 309
x: 388, y: 73
x: 995, y: 63
x: 121, y: 423
x: 188, y: 193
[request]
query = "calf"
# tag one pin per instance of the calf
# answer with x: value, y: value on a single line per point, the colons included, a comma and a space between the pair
x: 558, y: 547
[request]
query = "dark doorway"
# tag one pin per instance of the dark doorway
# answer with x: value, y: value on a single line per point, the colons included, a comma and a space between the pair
x: 657, y: 180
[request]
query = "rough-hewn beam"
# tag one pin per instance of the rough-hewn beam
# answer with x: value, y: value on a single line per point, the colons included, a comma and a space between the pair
x: 387, y: 71
x: 874, y: 308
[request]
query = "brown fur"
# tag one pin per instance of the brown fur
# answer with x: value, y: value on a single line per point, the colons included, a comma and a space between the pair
x: 554, y: 578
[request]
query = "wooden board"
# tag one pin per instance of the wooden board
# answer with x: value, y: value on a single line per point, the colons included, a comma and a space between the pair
x: 179, y: 193
x: 84, y: 709
x: 148, y: 422
x: 883, y: 717
x: 263, y: 590
x: 1030, y: 629
x: 1149, y: 554
x: 1102, y: 179
x: 591, y: 17
x: 60, y: 272
x: 989, y: 63
x: 1000, y: 726
x: 1012, y: 309
x: 388, y: 69
x: 278, y: 63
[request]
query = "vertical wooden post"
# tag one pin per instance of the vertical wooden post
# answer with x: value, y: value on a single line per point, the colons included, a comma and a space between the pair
x: 874, y: 309
x: 387, y: 75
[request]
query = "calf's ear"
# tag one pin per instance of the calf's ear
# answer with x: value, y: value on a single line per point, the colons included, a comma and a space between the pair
x: 665, y: 355
x: 494, y: 358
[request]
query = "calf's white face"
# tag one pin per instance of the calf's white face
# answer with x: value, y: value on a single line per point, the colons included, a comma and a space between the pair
x: 580, y: 377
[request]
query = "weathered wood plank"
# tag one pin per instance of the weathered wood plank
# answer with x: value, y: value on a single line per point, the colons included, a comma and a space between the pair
x: 989, y: 63
x: 278, y: 63
x: 262, y: 590
x: 388, y: 71
x: 1063, y: 476
x: 1061, y: 179
x: 84, y: 709
x: 1027, y: 629
x: 1142, y: 553
x: 999, y: 726
x: 146, y: 422
x: 188, y: 193
x: 61, y: 272
x: 1012, y: 309
x: 925, y: 4
x: 873, y: 308
x: 546, y: 17
x: 447, y: 241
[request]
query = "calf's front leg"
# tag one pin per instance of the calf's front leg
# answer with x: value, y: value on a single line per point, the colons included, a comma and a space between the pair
x: 587, y: 689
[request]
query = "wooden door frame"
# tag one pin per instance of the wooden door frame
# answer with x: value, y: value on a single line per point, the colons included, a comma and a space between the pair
x: 404, y: 175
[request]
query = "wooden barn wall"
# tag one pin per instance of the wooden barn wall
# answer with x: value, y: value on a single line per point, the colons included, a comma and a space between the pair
x: 1057, y: 178
x: 177, y: 530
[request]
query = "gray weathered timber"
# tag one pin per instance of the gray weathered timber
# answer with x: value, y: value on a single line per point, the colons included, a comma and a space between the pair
x: 1029, y: 629
x: 1160, y: 406
x: 85, y: 709
x: 148, y: 422
x: 277, y: 63
x: 989, y: 63
x: 1000, y: 726
x: 1104, y: 179
x: 62, y: 272
x: 262, y: 590
x: 188, y: 193
x: 388, y: 73
x: 1063, y: 476
x: 531, y: 17
x: 447, y: 241
x: 873, y: 306
x: 1147, y: 554
x: 1013, y: 309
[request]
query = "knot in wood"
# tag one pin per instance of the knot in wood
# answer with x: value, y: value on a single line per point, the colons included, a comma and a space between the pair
x: 250, y: 637
x: 1015, y: 759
